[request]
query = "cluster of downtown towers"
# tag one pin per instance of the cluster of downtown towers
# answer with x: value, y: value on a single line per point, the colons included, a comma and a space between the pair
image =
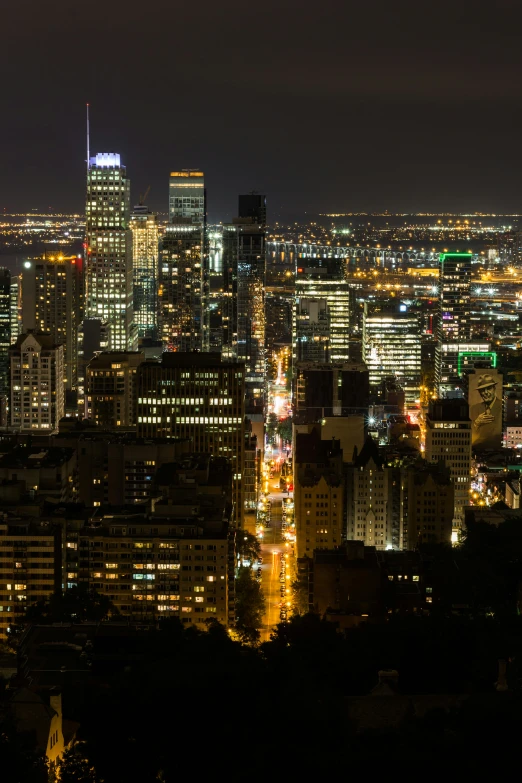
x: 143, y: 284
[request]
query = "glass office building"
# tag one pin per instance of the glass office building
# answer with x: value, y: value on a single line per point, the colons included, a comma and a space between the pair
x: 392, y: 347
x: 108, y: 269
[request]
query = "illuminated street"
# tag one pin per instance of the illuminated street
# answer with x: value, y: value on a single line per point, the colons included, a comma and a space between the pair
x: 276, y: 543
x: 273, y: 550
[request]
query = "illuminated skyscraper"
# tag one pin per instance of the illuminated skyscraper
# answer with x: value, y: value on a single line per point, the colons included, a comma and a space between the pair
x: 454, y: 328
x: 311, y: 330
x: 5, y: 329
x: 109, y: 280
x: 448, y: 438
x: 144, y: 227
x: 183, y: 266
x: 181, y: 287
x: 187, y: 196
x: 244, y: 268
x: 392, y: 347
x: 52, y: 301
x: 326, y: 279
x: 16, y: 307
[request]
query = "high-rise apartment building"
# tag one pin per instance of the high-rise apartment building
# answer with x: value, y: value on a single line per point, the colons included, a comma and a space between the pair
x: 16, y: 307
x: 153, y: 568
x: 427, y: 504
x: 111, y: 388
x: 181, y: 287
x: 454, y: 322
x: 325, y: 278
x: 144, y: 227
x: 200, y: 397
x: 318, y: 493
x: 37, y: 382
x: 448, y: 438
x: 52, y: 301
x: 392, y: 347
x: 5, y: 329
x: 109, y: 278
x: 370, y: 508
x: 187, y: 196
x: 30, y: 567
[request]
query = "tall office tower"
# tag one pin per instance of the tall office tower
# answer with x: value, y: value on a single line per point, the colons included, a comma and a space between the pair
x: 392, y: 347
x: 52, y: 301
x: 16, y: 307
x: 111, y: 388
x: 183, y: 278
x: 144, y: 227
x: 200, y: 397
x: 253, y: 206
x: 311, y: 333
x: 37, y: 382
x: 448, y: 438
x: 244, y: 268
x: 109, y: 283
x: 187, y: 196
x: 5, y: 329
x: 454, y: 322
x: 326, y: 279
x: 181, y: 291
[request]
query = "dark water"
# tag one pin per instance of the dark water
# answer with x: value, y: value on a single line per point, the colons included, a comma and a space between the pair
x: 14, y: 259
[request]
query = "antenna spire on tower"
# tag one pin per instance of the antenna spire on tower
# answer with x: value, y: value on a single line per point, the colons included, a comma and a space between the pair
x: 88, y: 151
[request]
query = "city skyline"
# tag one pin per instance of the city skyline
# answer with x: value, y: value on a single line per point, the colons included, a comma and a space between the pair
x: 353, y: 108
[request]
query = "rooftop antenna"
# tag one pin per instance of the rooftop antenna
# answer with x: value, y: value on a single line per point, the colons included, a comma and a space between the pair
x: 88, y: 152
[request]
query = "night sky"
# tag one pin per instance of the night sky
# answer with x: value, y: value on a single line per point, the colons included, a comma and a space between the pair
x: 324, y: 106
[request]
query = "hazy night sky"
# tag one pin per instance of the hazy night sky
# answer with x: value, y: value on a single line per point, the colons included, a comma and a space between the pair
x: 324, y: 106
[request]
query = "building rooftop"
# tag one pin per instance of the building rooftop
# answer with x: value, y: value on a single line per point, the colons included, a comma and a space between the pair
x: 309, y: 448
x: 31, y: 457
x: 195, y: 359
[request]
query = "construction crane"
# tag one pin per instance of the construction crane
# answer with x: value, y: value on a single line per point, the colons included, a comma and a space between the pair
x: 143, y: 197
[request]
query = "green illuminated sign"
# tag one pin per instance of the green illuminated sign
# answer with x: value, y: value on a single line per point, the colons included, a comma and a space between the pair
x: 462, y: 354
x: 454, y: 255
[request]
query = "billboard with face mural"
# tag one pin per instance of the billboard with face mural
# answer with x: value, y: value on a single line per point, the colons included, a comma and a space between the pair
x: 485, y: 408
